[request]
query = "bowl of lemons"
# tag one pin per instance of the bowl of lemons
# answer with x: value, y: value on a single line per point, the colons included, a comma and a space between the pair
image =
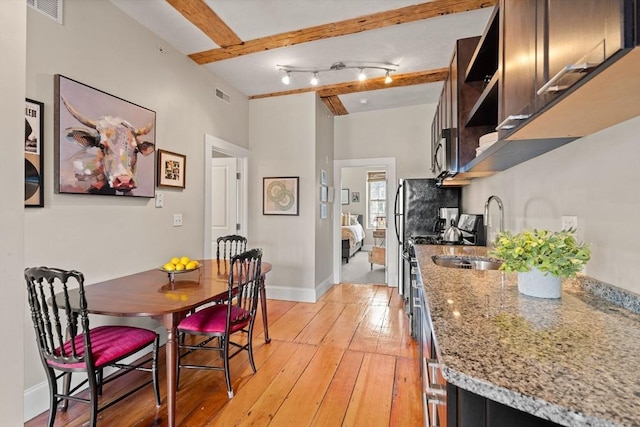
x: 178, y: 265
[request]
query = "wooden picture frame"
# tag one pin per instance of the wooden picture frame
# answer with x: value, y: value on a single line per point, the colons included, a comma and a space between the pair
x: 172, y: 169
x: 33, y: 154
x: 280, y: 195
x: 93, y: 131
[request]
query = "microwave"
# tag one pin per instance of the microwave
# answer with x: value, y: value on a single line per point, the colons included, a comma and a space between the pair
x: 445, y: 156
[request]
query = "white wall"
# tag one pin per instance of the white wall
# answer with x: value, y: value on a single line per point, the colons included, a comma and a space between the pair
x: 403, y: 133
x: 324, y: 161
x: 13, y: 24
x: 106, y: 236
x: 282, y: 134
x: 596, y: 178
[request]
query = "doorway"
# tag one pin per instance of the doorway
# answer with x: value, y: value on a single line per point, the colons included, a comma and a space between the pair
x: 226, y: 191
x: 389, y: 164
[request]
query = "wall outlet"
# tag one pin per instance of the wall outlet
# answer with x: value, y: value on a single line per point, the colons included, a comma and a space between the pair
x: 177, y: 220
x: 159, y: 200
x: 569, y: 222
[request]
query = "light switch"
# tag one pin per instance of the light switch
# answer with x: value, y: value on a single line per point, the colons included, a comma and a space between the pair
x: 159, y: 200
x: 177, y: 220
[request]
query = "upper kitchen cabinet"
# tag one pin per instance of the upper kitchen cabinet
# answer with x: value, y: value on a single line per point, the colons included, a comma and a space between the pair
x: 552, y: 53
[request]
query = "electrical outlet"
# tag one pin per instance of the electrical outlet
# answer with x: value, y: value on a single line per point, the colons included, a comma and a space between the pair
x: 177, y: 220
x: 569, y: 222
x: 159, y: 200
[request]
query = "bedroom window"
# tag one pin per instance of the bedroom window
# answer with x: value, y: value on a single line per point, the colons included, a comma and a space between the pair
x: 376, y: 199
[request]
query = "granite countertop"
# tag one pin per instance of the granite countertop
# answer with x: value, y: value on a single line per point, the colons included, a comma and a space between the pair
x: 574, y: 361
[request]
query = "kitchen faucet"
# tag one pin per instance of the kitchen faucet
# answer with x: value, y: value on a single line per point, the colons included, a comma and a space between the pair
x: 486, y: 211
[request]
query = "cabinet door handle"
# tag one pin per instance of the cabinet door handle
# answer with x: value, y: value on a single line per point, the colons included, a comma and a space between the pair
x: 571, y: 68
x: 432, y: 386
x: 432, y: 407
x: 504, y: 124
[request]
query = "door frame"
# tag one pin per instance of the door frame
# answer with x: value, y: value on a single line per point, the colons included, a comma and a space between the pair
x: 212, y: 143
x: 390, y: 244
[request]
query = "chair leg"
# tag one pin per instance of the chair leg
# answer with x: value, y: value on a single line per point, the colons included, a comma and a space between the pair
x: 154, y: 371
x: 66, y: 386
x: 227, y: 375
x: 53, y: 400
x: 93, y: 400
x: 250, y: 349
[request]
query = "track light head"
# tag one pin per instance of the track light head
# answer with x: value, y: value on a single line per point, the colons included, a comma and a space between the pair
x: 361, y: 75
x: 286, y: 79
x: 387, y: 77
x: 314, y: 79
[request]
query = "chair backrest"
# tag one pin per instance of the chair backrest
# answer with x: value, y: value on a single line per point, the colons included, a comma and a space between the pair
x: 230, y: 245
x: 244, y: 284
x: 50, y: 292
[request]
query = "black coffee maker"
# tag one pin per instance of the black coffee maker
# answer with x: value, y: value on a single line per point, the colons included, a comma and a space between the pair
x: 472, y: 229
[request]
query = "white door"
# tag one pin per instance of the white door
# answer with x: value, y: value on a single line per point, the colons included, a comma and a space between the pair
x: 224, y: 198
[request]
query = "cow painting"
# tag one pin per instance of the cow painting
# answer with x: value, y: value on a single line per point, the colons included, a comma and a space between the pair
x: 108, y: 155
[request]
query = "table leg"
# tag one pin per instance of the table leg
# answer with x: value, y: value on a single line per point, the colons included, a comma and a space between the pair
x: 263, y: 304
x: 171, y: 348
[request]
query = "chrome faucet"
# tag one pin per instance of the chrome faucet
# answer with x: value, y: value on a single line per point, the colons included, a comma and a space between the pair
x: 486, y: 211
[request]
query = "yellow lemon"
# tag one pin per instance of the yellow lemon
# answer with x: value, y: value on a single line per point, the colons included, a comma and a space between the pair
x: 185, y: 260
x: 169, y: 266
x: 179, y: 267
x: 195, y: 262
x: 191, y: 265
x: 175, y: 260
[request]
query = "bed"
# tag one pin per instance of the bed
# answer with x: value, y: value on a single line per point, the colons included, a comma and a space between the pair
x: 352, y: 235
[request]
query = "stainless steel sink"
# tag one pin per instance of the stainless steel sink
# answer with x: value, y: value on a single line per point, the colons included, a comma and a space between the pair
x: 467, y: 262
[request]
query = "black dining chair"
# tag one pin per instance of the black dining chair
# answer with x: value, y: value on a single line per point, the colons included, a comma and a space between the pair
x: 230, y: 245
x: 68, y: 345
x: 233, y: 318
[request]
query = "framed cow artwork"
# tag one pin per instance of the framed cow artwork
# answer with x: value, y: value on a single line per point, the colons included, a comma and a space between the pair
x: 103, y: 144
x: 33, y: 154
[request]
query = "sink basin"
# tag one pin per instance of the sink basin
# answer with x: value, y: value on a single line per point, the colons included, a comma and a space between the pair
x: 467, y: 262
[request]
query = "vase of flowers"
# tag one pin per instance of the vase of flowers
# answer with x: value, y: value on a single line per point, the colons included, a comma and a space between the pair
x: 542, y: 258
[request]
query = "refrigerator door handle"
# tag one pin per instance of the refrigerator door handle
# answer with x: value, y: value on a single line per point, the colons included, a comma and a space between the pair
x: 396, y: 216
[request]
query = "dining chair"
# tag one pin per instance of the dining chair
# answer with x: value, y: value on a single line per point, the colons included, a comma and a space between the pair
x: 233, y: 318
x: 67, y: 347
x: 230, y: 245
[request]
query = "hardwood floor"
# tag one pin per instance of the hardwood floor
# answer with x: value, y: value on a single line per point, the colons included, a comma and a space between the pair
x: 347, y: 360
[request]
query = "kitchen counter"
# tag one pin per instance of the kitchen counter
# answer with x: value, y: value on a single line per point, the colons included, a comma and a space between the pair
x: 574, y: 361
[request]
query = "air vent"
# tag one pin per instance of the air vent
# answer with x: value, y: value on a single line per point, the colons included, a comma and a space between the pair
x: 223, y: 96
x: 51, y: 8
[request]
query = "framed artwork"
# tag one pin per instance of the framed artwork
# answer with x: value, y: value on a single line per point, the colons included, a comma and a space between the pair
x: 323, y: 193
x: 355, y: 197
x: 103, y: 144
x: 323, y: 210
x: 344, y: 196
x: 33, y: 154
x: 280, y: 195
x: 331, y: 194
x: 323, y: 177
x: 172, y: 169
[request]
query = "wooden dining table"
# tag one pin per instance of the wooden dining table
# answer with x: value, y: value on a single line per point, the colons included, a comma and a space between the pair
x: 168, y: 298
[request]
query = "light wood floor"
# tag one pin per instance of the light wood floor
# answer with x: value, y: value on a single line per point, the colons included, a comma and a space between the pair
x: 347, y: 360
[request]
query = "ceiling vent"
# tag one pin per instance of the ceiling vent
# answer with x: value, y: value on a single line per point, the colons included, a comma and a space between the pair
x: 51, y: 8
x: 223, y: 96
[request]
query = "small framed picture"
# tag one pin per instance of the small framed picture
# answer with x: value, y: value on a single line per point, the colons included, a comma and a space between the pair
x: 323, y: 193
x: 344, y: 196
x: 355, y: 197
x: 323, y: 177
x: 172, y: 168
x: 323, y: 211
x: 33, y: 154
x: 280, y: 195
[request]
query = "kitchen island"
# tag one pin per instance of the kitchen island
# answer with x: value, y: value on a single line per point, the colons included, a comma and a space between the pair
x: 574, y: 361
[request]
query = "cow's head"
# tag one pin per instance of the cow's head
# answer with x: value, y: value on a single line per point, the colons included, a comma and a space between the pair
x: 118, y: 143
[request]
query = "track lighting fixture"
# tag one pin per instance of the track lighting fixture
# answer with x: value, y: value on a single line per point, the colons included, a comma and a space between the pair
x: 339, y: 66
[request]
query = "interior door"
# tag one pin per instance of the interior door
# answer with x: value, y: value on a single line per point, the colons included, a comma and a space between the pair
x: 225, y: 198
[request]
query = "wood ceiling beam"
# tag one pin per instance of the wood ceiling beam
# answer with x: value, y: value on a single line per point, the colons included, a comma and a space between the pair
x: 207, y: 21
x: 320, y: 32
x: 399, y: 80
x: 334, y: 105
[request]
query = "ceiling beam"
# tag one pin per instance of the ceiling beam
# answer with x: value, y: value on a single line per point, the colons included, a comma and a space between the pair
x: 320, y: 32
x: 334, y: 105
x: 407, y: 79
x: 207, y: 21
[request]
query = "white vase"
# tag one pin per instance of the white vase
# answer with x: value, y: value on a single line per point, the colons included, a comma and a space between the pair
x: 536, y: 284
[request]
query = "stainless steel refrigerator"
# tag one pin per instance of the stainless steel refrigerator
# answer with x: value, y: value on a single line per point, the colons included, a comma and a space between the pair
x: 416, y: 213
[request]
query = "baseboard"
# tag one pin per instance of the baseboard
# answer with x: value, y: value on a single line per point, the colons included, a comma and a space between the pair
x: 285, y: 293
x: 36, y: 398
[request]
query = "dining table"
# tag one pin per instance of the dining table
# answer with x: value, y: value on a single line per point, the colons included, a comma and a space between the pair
x: 168, y: 297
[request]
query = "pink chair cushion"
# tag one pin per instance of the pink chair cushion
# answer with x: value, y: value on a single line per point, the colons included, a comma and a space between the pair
x: 109, y: 343
x: 212, y: 320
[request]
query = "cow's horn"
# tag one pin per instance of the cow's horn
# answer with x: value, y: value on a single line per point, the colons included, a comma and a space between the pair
x: 75, y: 113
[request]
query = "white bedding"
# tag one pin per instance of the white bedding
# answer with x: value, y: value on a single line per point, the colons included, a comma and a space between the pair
x: 355, y: 233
